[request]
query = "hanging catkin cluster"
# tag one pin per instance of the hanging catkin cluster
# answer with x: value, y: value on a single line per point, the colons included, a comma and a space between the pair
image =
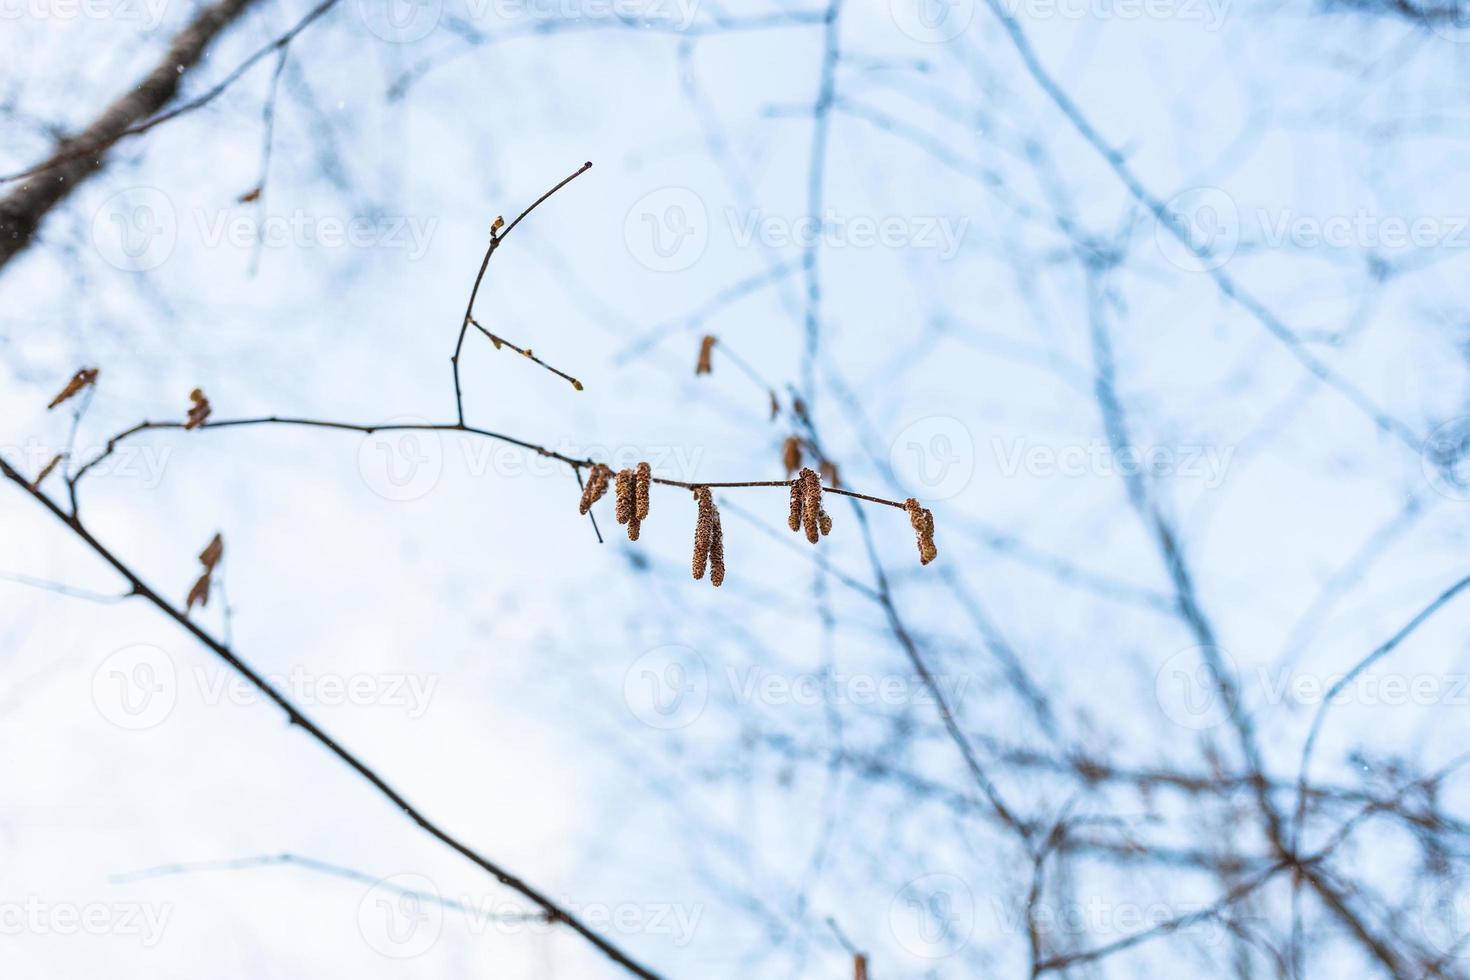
x: 596, y: 486
x: 709, y: 540
x: 632, y: 493
x: 922, y: 520
x: 806, y: 506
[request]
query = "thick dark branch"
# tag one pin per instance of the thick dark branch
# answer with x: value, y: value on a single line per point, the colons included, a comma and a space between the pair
x: 555, y: 912
x: 77, y: 158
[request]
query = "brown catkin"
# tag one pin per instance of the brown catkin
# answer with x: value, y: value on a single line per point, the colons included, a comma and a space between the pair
x: 624, y: 511
x: 794, y: 520
x: 641, y: 482
x: 595, y: 487
x: 922, y: 521
x: 709, y: 540
x: 716, y: 550
x: 811, y: 503
x: 703, y: 532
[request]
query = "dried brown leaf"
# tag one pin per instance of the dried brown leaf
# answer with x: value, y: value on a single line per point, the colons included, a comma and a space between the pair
x: 199, y: 593
x: 791, y: 454
x: 212, y: 553
x: 209, y: 558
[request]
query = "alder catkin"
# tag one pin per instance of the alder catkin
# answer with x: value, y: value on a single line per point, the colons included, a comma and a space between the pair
x: 709, y: 540
x: 794, y: 519
x: 641, y: 482
x: 595, y: 487
x: 627, y: 512
x: 703, y: 532
x: 922, y: 521
x: 811, y: 503
x: 624, y: 489
x: 716, y: 549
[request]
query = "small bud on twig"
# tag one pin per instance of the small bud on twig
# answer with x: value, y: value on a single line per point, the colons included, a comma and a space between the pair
x: 46, y: 471
x: 706, y: 348
x: 199, y: 412
x: 82, y: 379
